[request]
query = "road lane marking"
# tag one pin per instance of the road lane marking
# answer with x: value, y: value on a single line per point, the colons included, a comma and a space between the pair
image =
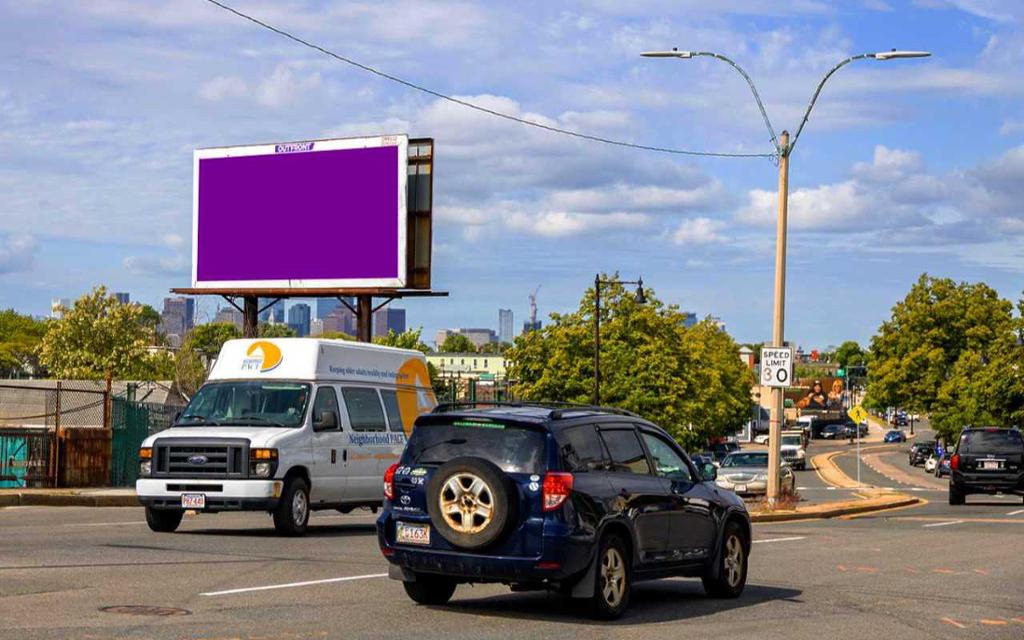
x: 291, y: 585
x: 103, y: 524
x: 943, y: 524
x: 992, y: 623
x: 954, y: 623
x: 789, y: 539
x: 1016, y: 513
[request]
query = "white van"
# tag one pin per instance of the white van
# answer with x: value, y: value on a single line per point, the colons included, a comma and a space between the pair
x: 286, y: 426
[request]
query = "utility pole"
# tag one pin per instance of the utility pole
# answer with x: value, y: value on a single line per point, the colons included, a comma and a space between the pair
x: 778, y: 418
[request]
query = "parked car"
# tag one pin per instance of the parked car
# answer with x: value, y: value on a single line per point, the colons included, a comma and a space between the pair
x: 918, y: 453
x: 987, y: 461
x: 929, y: 464
x: 942, y: 466
x: 761, y: 438
x: 831, y: 431
x: 720, y: 450
x: 285, y: 426
x: 580, y: 500
x: 746, y: 473
x: 895, y: 435
x: 853, y: 430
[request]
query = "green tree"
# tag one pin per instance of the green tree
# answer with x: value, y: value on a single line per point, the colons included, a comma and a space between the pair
x: 275, y: 330
x: 457, y: 343
x: 336, y: 335
x: 849, y: 353
x: 97, y: 338
x: 20, y: 337
x: 690, y: 381
x: 494, y: 347
x: 408, y: 339
x: 939, y: 354
x: 207, y: 339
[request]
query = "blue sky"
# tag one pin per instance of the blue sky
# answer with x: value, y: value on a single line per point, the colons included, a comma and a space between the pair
x: 905, y: 167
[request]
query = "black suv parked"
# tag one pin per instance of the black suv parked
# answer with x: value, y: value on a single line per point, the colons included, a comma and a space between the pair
x: 578, y: 500
x: 987, y: 461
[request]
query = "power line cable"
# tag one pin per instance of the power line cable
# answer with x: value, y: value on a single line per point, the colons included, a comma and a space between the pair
x: 470, y: 105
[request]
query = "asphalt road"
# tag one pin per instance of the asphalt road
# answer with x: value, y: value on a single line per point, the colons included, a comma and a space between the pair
x: 926, y: 572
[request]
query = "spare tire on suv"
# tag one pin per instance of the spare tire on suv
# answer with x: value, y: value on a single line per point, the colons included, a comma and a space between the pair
x: 471, y: 502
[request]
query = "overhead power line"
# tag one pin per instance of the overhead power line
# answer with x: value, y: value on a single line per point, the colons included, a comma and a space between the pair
x: 477, y: 107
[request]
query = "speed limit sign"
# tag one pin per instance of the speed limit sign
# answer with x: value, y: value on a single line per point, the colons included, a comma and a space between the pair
x: 776, y: 366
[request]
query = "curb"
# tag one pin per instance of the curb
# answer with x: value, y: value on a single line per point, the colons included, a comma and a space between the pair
x: 66, y: 500
x: 836, y: 512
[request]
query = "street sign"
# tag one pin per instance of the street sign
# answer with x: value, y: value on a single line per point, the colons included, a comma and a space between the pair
x: 776, y: 366
x: 858, y: 414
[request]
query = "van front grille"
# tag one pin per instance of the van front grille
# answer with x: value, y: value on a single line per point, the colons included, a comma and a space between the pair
x: 220, y: 458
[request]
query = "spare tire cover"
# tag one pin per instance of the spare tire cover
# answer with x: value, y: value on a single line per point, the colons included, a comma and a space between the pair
x: 471, y: 502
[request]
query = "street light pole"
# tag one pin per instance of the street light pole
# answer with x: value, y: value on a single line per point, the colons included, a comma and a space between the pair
x: 783, y: 149
x: 641, y: 298
x: 778, y: 418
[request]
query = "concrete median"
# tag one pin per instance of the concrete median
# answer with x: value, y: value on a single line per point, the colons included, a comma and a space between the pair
x: 68, y: 498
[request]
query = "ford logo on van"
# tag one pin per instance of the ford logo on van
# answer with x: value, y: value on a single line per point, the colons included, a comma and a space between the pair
x: 197, y: 460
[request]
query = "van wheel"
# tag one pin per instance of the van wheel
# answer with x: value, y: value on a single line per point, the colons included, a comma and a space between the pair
x: 292, y: 513
x: 614, y: 582
x: 430, y: 589
x: 730, y: 576
x: 163, y: 520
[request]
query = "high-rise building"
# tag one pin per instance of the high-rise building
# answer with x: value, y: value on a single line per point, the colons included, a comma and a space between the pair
x: 229, y: 315
x: 122, y: 297
x: 324, y: 306
x: 689, y: 318
x: 316, y: 328
x: 479, y: 337
x: 58, y: 306
x: 440, y: 337
x: 341, y: 320
x: 178, y: 316
x: 298, y: 318
x: 505, y: 324
x: 531, y: 326
x: 272, y: 313
x: 388, y: 319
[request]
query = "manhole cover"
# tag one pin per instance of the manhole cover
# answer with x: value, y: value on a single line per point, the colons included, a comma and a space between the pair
x: 145, y: 610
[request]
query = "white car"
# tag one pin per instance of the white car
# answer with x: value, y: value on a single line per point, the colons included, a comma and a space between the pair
x: 286, y: 426
x: 761, y: 439
x: 929, y: 464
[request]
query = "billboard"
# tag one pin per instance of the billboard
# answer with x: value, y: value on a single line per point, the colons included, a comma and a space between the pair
x: 297, y: 215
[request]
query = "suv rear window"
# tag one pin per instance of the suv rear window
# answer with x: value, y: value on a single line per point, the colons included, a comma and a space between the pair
x: 513, y: 449
x: 990, y: 440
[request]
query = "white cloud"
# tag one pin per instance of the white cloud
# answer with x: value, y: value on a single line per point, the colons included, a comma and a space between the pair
x: 643, y: 198
x: 17, y: 252
x: 283, y: 87
x: 223, y: 88
x: 157, y: 266
x: 699, y: 231
x: 557, y: 224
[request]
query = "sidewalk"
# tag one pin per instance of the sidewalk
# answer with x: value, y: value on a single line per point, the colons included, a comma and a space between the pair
x: 84, y: 497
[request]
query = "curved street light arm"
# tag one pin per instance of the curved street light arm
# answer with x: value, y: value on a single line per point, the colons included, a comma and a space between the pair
x: 753, y: 89
x: 817, y: 91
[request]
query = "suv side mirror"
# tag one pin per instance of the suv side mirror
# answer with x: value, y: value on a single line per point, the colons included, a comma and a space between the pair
x: 709, y: 472
x: 326, y: 421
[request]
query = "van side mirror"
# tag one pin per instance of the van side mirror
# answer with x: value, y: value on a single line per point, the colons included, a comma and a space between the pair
x: 709, y: 472
x: 325, y: 421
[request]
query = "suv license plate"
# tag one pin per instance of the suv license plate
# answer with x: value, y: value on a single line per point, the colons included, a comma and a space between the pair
x: 991, y: 464
x: 406, y: 533
x: 740, y: 488
x: 193, y: 501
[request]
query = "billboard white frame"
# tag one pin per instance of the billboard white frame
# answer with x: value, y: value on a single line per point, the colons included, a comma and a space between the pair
x: 330, y: 144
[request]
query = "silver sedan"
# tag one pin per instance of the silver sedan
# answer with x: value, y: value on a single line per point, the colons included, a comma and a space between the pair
x: 746, y: 473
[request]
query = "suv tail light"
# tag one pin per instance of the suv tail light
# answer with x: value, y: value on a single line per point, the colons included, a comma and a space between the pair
x: 954, y: 462
x: 557, y: 487
x: 389, y: 482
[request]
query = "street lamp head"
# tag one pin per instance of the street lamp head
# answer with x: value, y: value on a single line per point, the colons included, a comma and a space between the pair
x: 674, y: 53
x: 894, y: 54
x: 640, y: 297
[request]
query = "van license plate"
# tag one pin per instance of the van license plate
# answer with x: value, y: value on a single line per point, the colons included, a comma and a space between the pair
x: 193, y: 501
x: 741, y: 488
x: 406, y: 533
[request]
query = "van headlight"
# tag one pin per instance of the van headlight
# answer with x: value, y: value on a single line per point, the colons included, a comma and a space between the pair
x: 145, y: 462
x: 263, y: 469
x: 262, y: 463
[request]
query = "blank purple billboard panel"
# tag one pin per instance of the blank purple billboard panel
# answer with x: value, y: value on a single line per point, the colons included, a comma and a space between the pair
x: 328, y: 215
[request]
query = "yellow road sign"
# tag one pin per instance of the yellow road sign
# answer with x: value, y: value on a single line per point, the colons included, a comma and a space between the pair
x: 858, y: 414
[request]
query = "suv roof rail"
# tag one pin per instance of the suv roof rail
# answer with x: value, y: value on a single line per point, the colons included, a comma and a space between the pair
x: 556, y: 407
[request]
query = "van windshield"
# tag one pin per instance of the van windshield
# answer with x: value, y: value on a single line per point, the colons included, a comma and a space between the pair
x: 247, y: 402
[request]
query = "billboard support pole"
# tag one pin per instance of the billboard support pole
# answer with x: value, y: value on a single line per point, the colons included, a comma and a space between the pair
x: 250, y: 317
x: 364, y: 318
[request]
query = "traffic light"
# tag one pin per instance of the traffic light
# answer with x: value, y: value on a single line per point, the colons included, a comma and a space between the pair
x: 840, y: 373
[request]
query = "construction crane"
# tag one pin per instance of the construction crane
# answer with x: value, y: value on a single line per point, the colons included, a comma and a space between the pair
x: 533, y: 307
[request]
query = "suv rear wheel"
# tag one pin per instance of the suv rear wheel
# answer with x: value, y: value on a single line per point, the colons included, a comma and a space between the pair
x: 614, y: 582
x: 430, y: 589
x: 292, y: 513
x: 955, y: 497
x: 163, y: 520
x: 731, y: 574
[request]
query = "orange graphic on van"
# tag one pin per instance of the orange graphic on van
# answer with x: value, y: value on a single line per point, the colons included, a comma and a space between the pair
x: 262, y: 356
x: 415, y: 393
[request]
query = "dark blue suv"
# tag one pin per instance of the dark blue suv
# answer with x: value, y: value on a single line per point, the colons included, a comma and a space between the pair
x: 583, y: 501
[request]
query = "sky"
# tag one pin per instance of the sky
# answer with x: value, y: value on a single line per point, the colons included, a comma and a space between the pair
x: 905, y: 167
